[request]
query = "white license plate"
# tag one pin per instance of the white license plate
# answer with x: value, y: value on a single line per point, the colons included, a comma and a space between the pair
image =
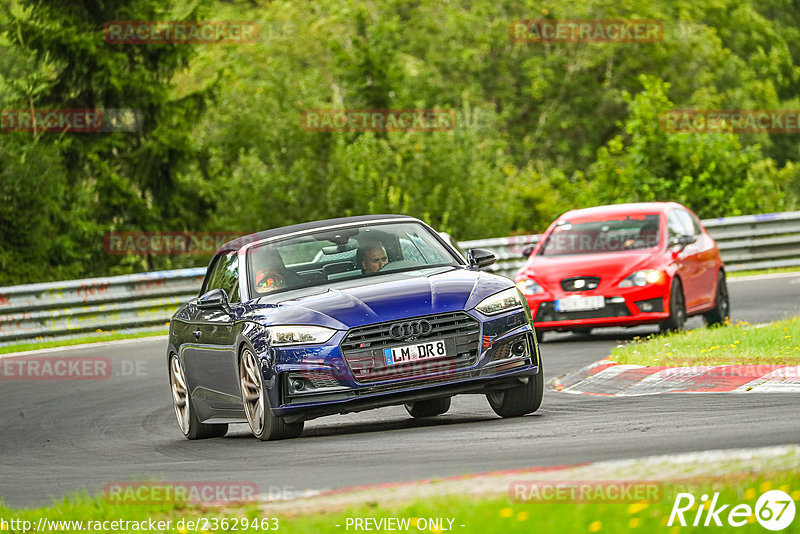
x: 580, y: 304
x: 418, y: 351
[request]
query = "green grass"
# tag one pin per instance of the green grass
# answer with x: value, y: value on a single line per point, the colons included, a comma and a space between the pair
x: 98, y: 338
x: 732, y: 344
x: 495, y: 514
x: 764, y: 271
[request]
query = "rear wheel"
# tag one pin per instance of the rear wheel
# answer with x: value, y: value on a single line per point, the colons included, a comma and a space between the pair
x: 677, y: 308
x: 722, y: 307
x: 428, y: 408
x: 188, y: 422
x: 518, y: 401
x: 265, y: 425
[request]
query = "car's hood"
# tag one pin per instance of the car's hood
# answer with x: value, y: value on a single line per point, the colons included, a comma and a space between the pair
x: 610, y: 267
x: 389, y: 297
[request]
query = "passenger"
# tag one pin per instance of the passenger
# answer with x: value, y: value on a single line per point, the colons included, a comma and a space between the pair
x: 371, y: 257
x: 273, y: 274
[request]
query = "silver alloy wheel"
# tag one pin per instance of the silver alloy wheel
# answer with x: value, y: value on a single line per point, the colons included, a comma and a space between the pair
x: 180, y: 394
x: 252, y: 391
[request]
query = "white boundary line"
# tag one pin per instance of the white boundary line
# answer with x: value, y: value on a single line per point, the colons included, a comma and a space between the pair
x: 84, y: 346
x: 762, y: 276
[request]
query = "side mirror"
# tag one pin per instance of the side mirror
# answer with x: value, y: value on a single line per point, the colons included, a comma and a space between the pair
x: 216, y: 299
x: 480, y: 257
x: 528, y: 250
x: 683, y: 241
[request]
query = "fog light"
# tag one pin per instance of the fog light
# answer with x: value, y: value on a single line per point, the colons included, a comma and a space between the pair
x: 650, y: 305
x: 298, y: 384
x: 518, y: 348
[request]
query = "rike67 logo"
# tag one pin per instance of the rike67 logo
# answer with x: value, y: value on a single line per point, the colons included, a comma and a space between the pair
x: 774, y: 510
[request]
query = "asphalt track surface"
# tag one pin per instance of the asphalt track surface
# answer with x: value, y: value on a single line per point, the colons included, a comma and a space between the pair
x: 61, y: 436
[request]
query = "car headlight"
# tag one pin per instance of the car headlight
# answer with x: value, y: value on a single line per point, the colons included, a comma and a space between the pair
x: 500, y: 302
x: 299, y: 335
x: 642, y: 278
x: 529, y: 287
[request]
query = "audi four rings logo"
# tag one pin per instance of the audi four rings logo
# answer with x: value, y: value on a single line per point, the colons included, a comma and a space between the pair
x: 412, y: 328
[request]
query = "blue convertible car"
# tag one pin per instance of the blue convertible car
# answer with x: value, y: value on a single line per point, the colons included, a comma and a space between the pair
x: 346, y: 315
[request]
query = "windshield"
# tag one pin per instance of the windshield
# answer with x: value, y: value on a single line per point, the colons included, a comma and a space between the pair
x: 611, y: 234
x: 343, y: 253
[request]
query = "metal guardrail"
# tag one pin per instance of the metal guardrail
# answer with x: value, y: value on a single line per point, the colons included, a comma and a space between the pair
x: 141, y: 301
x: 82, y: 306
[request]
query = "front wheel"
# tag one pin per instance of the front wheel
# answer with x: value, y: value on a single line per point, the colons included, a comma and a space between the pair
x: 265, y: 425
x: 188, y: 422
x: 428, y: 408
x: 518, y: 401
x: 677, y: 309
x: 722, y: 307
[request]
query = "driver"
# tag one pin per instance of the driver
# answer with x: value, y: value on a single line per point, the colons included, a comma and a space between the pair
x: 371, y: 257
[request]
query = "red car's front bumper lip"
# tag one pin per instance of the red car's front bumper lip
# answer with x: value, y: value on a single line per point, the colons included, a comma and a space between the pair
x: 631, y: 296
x: 633, y: 320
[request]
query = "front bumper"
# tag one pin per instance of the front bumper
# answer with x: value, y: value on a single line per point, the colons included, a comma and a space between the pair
x: 622, y: 307
x: 506, y: 355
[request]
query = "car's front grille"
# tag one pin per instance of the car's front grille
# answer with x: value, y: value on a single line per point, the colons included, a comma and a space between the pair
x: 363, y: 347
x: 547, y: 312
x: 580, y: 283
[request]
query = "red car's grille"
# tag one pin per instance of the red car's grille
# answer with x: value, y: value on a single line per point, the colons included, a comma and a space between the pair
x: 580, y: 283
x: 547, y: 312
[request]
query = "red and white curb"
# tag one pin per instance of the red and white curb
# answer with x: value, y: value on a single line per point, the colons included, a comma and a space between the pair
x: 609, y: 378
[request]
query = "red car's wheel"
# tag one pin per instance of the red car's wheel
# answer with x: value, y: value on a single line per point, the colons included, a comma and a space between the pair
x: 677, y: 308
x: 722, y: 306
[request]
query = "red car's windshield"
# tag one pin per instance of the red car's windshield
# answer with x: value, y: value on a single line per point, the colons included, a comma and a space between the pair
x: 610, y: 234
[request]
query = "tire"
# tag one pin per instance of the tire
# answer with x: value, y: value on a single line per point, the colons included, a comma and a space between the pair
x: 539, y: 336
x: 188, y: 422
x: 518, y: 401
x: 677, y: 308
x: 428, y: 408
x: 722, y: 306
x: 265, y: 425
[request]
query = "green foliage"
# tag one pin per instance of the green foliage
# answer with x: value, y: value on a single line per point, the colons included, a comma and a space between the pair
x: 710, y: 173
x: 541, y: 128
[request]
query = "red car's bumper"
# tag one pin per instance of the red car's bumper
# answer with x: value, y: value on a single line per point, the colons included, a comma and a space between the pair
x: 629, y: 306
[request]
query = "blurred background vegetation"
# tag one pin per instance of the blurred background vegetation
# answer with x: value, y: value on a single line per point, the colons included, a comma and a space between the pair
x: 541, y: 128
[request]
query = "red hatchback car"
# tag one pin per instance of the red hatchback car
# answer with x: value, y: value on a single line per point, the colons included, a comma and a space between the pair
x: 624, y: 265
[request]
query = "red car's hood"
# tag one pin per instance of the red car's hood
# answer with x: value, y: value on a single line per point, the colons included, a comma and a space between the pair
x: 610, y: 267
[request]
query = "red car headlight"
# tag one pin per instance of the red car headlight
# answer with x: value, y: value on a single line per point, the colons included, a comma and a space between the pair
x: 529, y: 287
x: 643, y: 278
